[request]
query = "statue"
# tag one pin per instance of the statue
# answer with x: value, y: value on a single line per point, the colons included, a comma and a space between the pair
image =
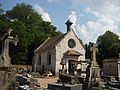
x: 5, y: 60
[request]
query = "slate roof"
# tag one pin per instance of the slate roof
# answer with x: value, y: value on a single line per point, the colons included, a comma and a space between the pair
x: 50, y: 43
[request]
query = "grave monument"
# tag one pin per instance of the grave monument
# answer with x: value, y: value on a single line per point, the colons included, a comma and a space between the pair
x: 5, y: 60
x: 7, y: 75
x: 93, y: 78
x: 66, y: 81
x: 94, y: 67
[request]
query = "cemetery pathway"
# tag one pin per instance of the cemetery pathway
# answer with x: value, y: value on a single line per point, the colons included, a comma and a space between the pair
x: 45, y: 81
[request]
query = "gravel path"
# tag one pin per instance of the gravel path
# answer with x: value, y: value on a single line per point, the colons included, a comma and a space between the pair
x: 45, y: 81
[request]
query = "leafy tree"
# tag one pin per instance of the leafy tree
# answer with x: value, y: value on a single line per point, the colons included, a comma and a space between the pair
x: 21, y: 12
x: 1, y: 10
x: 30, y: 28
x: 4, y: 22
x: 108, y: 46
x: 88, y: 51
x: 81, y: 42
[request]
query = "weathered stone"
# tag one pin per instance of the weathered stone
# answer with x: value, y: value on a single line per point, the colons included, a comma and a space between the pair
x: 93, y: 69
x: 57, y: 86
x: 7, y: 78
x: 69, y: 79
x: 5, y: 60
x: 7, y: 74
x: 111, y: 67
x: 23, y: 80
x: 35, y: 74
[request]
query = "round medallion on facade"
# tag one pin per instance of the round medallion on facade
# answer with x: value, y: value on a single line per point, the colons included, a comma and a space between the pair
x: 71, y: 43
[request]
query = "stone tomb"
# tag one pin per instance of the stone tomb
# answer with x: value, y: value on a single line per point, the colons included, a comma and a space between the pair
x: 35, y: 75
x: 28, y: 83
x: 68, y: 79
x: 66, y: 82
x: 93, y: 79
x: 63, y: 86
x: 7, y: 74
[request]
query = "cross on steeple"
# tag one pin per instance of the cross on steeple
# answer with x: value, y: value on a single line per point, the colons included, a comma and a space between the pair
x: 68, y: 23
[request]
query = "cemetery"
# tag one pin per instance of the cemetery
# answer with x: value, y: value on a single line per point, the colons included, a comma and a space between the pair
x: 74, y: 74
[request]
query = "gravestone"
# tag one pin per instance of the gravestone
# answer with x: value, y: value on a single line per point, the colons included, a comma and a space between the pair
x: 93, y: 78
x: 35, y: 75
x: 28, y: 83
x: 5, y: 60
x: 63, y: 86
x: 7, y: 74
x: 23, y: 80
x: 66, y: 82
x: 68, y: 79
x: 94, y: 69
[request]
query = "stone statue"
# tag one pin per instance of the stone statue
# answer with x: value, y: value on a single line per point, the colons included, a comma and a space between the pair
x: 5, y: 60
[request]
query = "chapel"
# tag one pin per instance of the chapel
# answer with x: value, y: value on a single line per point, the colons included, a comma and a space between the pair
x: 61, y: 52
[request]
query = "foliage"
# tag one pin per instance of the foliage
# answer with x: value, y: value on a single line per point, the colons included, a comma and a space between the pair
x: 30, y: 28
x: 108, y: 46
x: 1, y: 10
x: 88, y: 51
x: 81, y: 42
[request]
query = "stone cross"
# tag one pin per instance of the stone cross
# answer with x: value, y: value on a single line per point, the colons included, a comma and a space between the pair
x: 94, y: 50
x: 5, y: 60
x: 94, y: 67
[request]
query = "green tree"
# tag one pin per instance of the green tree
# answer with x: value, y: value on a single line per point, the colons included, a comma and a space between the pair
x: 4, y: 22
x: 1, y: 10
x: 30, y: 28
x: 88, y: 51
x: 108, y: 46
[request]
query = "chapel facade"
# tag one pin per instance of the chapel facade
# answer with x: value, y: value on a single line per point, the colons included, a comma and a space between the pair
x: 61, y: 52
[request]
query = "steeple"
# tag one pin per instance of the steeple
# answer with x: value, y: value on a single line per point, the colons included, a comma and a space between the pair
x: 68, y: 23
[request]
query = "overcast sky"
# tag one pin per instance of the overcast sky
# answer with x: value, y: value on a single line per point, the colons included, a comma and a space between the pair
x: 91, y: 18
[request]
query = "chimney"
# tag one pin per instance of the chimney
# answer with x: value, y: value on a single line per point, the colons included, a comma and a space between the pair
x: 68, y: 23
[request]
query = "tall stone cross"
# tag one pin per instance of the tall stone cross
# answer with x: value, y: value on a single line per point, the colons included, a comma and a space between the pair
x: 94, y: 69
x: 94, y: 50
x: 5, y: 60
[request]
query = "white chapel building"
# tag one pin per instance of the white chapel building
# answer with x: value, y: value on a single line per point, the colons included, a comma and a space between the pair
x: 65, y: 49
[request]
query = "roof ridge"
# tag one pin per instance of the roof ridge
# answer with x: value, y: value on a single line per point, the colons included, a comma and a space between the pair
x: 50, y: 43
x: 42, y: 44
x: 56, y: 40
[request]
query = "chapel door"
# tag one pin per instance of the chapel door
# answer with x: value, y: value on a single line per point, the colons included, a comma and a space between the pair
x: 71, y: 66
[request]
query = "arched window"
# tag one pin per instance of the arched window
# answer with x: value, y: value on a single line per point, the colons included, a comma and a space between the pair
x: 49, y: 58
x: 39, y: 59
